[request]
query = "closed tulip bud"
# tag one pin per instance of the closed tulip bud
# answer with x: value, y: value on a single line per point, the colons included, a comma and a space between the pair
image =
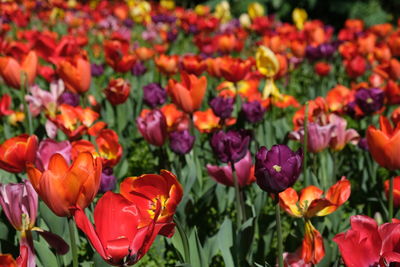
x: 62, y: 186
x: 370, y: 100
x: 138, y: 69
x: 153, y: 127
x: 230, y: 146
x: 96, y: 69
x: 384, y: 144
x: 11, y: 70
x: 222, y: 106
x: 16, y: 152
x: 20, y: 204
x: 154, y: 95
x: 76, y: 73
x: 108, y: 180
x: 253, y: 111
x: 267, y: 62
x: 181, y: 142
x: 356, y: 66
x: 69, y: 98
x: 117, y: 91
x: 278, y: 168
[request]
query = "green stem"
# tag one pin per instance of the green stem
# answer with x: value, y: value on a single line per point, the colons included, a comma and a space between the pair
x: 73, y: 242
x: 239, y: 201
x: 305, y: 140
x: 279, y: 231
x: 24, y: 85
x: 184, y: 240
x: 391, y: 185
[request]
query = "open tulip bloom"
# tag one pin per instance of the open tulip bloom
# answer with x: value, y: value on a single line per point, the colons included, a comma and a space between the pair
x: 310, y: 203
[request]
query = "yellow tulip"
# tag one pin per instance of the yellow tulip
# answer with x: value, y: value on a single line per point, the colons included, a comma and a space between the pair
x: 201, y: 10
x: 167, y: 4
x: 299, y: 16
x: 245, y: 20
x: 266, y: 61
x: 255, y: 10
x: 223, y: 11
x: 270, y: 89
x: 140, y: 11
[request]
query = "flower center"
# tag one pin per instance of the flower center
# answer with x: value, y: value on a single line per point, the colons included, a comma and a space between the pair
x: 369, y: 100
x: 277, y: 168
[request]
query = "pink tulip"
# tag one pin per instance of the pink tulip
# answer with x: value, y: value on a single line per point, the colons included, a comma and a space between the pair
x: 319, y: 136
x: 48, y: 148
x: 153, y: 127
x: 341, y: 136
x: 244, y: 171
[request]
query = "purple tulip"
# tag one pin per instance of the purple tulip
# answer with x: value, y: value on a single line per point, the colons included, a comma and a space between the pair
x: 48, y: 148
x: 96, y: 69
x: 69, y: 99
x: 20, y: 205
x: 108, y: 180
x: 138, y: 69
x: 222, y: 106
x: 253, y: 111
x: 278, y: 168
x: 153, y: 127
x: 230, y: 146
x: 128, y: 23
x: 363, y: 144
x: 172, y: 35
x: 223, y: 174
x: 19, y: 199
x: 369, y: 100
x: 181, y: 142
x: 154, y: 95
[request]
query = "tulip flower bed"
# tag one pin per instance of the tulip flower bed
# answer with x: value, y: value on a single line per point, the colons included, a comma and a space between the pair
x: 145, y: 133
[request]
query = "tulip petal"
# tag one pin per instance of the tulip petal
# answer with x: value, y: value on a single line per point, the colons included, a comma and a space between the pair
x: 53, y: 240
x: 86, y: 226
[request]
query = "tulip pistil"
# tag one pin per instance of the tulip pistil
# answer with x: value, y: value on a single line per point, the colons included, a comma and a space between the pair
x: 277, y: 168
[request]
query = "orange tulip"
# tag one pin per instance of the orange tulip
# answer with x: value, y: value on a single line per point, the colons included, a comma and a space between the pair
x: 11, y: 70
x: 76, y: 73
x: 312, y: 249
x: 396, y: 190
x: 75, y: 121
x: 168, y: 65
x: 163, y: 188
x: 109, y: 148
x: 384, y: 144
x: 206, y: 121
x: 144, y: 53
x: 17, y: 151
x: 310, y: 203
x: 189, y: 93
x: 63, y: 187
x: 176, y: 119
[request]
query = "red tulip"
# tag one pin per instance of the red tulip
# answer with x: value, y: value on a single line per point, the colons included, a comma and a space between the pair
x: 366, y: 244
x: 356, y: 67
x: 154, y: 187
x: 16, y: 152
x: 117, y: 91
x: 119, y: 235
